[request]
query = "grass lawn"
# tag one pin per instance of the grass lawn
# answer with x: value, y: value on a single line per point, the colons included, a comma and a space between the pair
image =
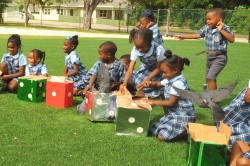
x: 35, y: 134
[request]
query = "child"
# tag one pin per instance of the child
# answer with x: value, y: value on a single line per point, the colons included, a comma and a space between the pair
x: 147, y: 21
x: 36, y: 65
x: 12, y: 64
x: 111, y: 64
x: 178, y: 111
x: 151, y: 55
x: 237, y: 116
x: 216, y: 34
x: 240, y: 154
x: 125, y: 59
x: 74, y: 68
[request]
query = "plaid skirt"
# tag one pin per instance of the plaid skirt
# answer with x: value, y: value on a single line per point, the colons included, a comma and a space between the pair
x: 80, y: 82
x: 240, y: 132
x: 141, y: 75
x: 171, y: 126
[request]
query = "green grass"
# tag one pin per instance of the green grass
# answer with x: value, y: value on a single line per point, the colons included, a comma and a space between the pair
x: 35, y: 134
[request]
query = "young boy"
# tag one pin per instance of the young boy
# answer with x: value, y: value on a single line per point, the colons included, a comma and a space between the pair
x: 147, y: 21
x: 216, y: 34
x: 108, y: 72
x: 125, y: 59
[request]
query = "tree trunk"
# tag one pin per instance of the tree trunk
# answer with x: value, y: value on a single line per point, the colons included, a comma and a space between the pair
x: 26, y: 5
x: 88, y: 11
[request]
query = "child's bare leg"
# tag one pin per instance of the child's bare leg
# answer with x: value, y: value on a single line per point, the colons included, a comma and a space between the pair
x: 4, y: 68
x: 238, y: 149
x: 211, y: 84
x: 12, y: 86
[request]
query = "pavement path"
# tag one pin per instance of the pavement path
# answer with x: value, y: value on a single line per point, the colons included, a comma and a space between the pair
x: 73, y: 29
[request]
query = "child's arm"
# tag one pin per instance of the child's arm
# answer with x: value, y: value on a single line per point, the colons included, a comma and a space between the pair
x: 165, y: 103
x: 187, y: 36
x: 20, y: 73
x: 227, y: 35
x: 149, y: 84
x: 91, y: 83
x: 65, y: 71
x: 74, y: 72
x: 127, y: 75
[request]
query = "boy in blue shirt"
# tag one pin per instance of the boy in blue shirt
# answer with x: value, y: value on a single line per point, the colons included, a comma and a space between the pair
x: 216, y: 34
x: 108, y: 62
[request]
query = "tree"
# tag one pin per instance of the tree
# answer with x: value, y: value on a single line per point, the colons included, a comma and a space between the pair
x: 3, y: 5
x: 89, y: 7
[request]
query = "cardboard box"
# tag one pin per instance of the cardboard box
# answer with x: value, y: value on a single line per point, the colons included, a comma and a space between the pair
x: 208, y: 146
x: 32, y: 88
x: 133, y: 115
x: 100, y: 106
x: 59, y: 92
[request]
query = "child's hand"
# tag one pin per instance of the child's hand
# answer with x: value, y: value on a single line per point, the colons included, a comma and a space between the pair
x: 146, y: 100
x: 178, y: 37
x: 150, y: 25
x: 121, y: 88
x: 5, y: 78
x: 88, y: 88
x: 219, y: 25
x: 140, y: 86
x: 147, y: 83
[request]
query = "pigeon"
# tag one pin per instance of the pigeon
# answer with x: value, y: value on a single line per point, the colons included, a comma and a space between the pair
x: 103, y: 79
x: 209, y: 99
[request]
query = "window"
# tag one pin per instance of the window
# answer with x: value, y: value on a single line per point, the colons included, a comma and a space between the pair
x: 71, y: 12
x: 47, y: 11
x: 60, y: 11
x: 103, y: 13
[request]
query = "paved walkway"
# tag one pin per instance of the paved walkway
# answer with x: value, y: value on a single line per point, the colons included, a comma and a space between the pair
x: 73, y: 29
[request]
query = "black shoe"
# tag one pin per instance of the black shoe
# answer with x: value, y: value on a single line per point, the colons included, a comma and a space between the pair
x: 4, y: 86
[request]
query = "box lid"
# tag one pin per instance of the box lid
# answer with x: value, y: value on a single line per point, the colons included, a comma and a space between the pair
x: 34, y: 77
x: 60, y: 79
x: 125, y: 100
x: 209, y: 134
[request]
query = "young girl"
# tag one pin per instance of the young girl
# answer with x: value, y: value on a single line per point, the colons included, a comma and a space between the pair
x: 74, y: 68
x: 151, y: 55
x: 178, y: 111
x: 12, y: 64
x: 147, y: 21
x: 36, y: 65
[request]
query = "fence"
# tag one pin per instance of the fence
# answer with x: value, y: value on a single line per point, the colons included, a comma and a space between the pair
x: 194, y: 19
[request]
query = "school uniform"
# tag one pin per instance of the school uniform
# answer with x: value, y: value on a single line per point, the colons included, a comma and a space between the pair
x: 14, y: 62
x: 39, y: 69
x: 175, y: 122
x: 237, y: 117
x: 216, y: 45
x: 116, y: 71
x: 81, y: 79
x: 148, y: 65
x: 157, y: 37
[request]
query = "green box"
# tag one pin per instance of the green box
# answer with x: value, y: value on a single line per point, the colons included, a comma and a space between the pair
x: 207, y: 147
x: 32, y: 88
x: 102, y: 107
x: 133, y: 122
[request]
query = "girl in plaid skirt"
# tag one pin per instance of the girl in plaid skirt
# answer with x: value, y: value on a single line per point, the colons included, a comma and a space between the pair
x: 12, y: 64
x: 151, y: 55
x: 178, y: 111
x: 74, y: 68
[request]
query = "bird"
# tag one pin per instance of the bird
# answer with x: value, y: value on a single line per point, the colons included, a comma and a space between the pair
x: 209, y: 99
x: 103, y: 79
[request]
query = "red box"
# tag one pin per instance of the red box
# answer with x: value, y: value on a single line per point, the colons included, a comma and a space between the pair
x: 59, y: 92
